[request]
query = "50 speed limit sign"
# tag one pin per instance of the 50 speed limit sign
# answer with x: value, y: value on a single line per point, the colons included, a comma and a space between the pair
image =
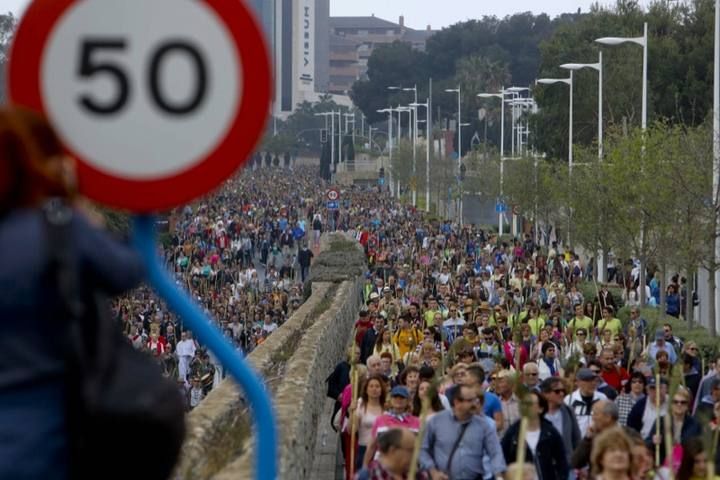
x: 159, y: 100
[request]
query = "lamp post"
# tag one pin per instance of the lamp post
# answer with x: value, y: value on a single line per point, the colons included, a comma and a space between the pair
x: 569, y: 82
x: 598, y: 67
x: 515, y: 92
x: 459, y: 146
x: 716, y: 158
x: 643, y: 42
x: 428, y: 139
x: 332, y: 133
x: 389, y: 111
x: 501, y: 96
x: 414, y: 140
x: 601, y: 270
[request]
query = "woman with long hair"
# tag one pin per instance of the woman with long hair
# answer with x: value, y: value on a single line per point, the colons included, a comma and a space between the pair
x: 365, y: 410
x: 632, y: 391
x: 694, y: 464
x: 36, y: 388
x: 425, y: 390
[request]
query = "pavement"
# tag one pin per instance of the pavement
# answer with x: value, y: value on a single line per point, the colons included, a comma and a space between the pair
x: 327, y: 448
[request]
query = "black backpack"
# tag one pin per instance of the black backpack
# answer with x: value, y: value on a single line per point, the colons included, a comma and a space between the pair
x: 119, y: 404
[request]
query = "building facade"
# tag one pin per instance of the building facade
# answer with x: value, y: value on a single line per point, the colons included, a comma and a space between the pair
x: 353, y: 39
x: 296, y: 32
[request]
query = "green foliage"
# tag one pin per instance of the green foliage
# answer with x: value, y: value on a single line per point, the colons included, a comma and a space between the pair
x: 679, y: 70
x: 478, y: 55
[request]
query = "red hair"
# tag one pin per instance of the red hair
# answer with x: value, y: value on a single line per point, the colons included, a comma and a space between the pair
x: 27, y: 144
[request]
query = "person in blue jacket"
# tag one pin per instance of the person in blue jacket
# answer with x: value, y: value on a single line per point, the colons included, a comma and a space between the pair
x: 34, y: 431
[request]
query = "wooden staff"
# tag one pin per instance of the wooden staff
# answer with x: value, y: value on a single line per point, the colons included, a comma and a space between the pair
x: 520, y: 456
x: 657, y: 417
x: 353, y: 418
x: 711, y: 457
x: 418, y: 439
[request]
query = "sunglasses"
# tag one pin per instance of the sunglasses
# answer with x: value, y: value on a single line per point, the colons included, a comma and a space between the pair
x: 596, y: 372
x: 560, y: 391
x: 532, y: 374
x: 693, y: 349
x: 680, y: 402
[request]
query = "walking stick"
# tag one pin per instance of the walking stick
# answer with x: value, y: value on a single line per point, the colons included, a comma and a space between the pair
x: 657, y: 417
x: 353, y: 419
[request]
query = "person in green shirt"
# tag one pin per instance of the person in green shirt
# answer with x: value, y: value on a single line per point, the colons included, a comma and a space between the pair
x: 608, y: 321
x: 536, y: 322
x: 432, y: 309
x: 580, y: 321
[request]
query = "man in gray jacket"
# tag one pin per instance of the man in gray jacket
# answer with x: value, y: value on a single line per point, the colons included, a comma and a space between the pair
x: 559, y: 414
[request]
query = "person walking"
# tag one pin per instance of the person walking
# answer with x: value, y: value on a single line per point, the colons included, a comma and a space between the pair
x: 543, y: 443
x: 582, y: 400
x: 456, y: 440
x: 560, y: 415
x: 36, y: 440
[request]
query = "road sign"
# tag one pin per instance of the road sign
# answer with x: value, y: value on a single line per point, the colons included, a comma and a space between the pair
x: 333, y: 194
x: 500, y: 208
x: 333, y: 205
x: 159, y: 101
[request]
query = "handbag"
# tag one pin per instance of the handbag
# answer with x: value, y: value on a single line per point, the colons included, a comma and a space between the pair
x: 119, y: 406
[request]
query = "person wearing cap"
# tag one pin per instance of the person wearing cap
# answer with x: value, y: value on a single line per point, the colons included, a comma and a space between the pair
x: 661, y: 345
x: 455, y: 441
x: 397, y: 416
x: 584, y: 397
x: 644, y: 412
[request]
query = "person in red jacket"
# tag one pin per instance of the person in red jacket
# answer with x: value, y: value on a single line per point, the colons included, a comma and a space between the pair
x: 613, y: 374
x: 363, y: 324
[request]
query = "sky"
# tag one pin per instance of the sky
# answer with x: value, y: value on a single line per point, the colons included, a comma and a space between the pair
x: 420, y: 13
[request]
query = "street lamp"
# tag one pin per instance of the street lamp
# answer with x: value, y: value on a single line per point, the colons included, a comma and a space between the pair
x: 332, y: 133
x: 501, y: 96
x: 459, y: 132
x: 414, y: 140
x: 428, y: 138
x: 390, y: 111
x: 569, y: 82
x: 643, y: 42
x: 598, y: 67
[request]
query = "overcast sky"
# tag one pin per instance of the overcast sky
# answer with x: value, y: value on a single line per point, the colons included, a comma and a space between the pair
x: 420, y: 13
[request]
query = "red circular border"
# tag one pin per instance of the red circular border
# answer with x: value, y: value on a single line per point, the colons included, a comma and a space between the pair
x: 337, y: 194
x: 154, y: 195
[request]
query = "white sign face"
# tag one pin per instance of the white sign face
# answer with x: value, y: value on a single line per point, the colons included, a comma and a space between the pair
x: 305, y: 41
x: 141, y: 89
x: 333, y: 194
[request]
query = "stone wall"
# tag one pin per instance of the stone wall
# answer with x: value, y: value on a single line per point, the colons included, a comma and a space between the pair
x: 294, y: 360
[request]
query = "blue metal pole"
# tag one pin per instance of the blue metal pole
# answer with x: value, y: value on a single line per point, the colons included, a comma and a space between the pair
x: 195, y: 319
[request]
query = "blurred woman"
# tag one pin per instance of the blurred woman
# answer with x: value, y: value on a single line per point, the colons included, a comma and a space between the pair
x: 543, y: 444
x: 612, y: 455
x: 425, y: 390
x: 694, y: 464
x: 683, y: 426
x: 35, y: 441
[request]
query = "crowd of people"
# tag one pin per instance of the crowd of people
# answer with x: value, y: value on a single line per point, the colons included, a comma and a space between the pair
x: 463, y: 335
x: 243, y: 253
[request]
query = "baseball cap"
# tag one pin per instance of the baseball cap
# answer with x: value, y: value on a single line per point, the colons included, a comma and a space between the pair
x: 399, y: 391
x: 652, y: 382
x: 586, y: 374
x: 374, y: 296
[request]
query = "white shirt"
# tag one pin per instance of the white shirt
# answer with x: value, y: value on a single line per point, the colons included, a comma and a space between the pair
x: 532, y: 439
x: 649, y: 416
